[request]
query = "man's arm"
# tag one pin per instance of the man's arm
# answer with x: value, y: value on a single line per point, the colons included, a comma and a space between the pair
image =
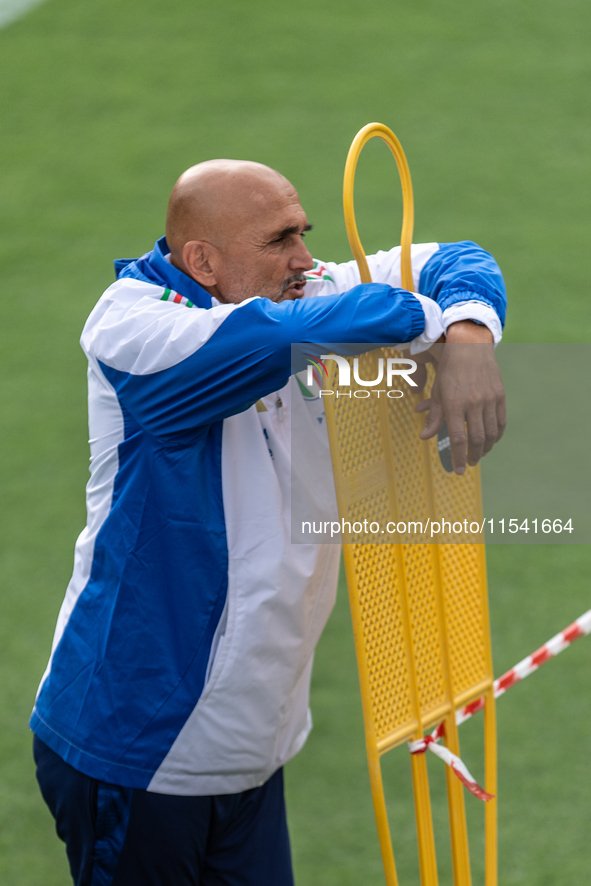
x: 467, y: 393
x: 178, y: 370
x: 468, y: 286
x: 462, y: 278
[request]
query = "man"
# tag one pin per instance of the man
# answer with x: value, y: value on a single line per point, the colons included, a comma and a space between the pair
x: 178, y: 682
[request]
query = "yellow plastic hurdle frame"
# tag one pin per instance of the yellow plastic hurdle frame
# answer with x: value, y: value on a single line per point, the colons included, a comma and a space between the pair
x: 419, y: 611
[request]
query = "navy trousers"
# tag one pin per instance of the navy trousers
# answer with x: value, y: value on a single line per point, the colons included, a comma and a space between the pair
x: 119, y: 836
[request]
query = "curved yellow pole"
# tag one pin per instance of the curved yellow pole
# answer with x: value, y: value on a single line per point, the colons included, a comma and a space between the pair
x: 425, y: 838
x: 425, y: 835
x: 373, y: 130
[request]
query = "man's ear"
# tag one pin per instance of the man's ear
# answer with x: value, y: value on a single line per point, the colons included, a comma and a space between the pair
x: 197, y: 256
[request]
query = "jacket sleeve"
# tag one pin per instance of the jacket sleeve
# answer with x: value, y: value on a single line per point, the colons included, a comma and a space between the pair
x: 245, y: 357
x: 463, y: 273
x: 462, y: 278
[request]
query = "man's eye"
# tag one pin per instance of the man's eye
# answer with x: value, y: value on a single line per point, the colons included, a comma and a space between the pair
x: 285, y: 237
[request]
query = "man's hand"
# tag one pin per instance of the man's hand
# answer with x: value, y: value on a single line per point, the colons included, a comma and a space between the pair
x: 467, y: 393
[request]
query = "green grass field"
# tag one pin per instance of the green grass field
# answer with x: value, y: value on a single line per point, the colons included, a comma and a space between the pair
x: 104, y: 103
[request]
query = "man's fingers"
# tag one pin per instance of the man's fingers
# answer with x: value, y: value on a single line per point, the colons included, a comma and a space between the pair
x: 474, y: 411
x: 434, y: 419
x: 419, y: 376
x: 476, y: 436
x: 457, y: 441
x: 501, y: 415
x: 492, y: 433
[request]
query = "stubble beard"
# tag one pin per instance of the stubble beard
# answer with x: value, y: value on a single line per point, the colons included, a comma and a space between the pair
x: 296, y: 278
x: 260, y: 289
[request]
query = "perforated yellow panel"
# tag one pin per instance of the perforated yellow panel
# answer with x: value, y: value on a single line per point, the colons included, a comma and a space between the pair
x: 385, y: 474
x: 462, y: 570
x: 419, y: 610
x: 360, y: 438
x: 381, y: 610
x: 421, y: 576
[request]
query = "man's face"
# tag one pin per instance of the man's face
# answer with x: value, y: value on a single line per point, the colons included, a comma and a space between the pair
x: 266, y: 255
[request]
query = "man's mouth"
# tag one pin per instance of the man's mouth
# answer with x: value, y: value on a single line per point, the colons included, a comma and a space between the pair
x: 293, y: 287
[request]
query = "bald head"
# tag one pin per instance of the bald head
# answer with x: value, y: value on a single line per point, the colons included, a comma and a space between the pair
x: 216, y: 199
x: 236, y: 227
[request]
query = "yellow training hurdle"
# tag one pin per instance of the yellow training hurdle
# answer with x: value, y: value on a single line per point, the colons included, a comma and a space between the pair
x: 419, y: 610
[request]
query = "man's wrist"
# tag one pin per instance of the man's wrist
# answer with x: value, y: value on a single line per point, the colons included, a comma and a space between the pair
x: 468, y: 331
x: 477, y: 311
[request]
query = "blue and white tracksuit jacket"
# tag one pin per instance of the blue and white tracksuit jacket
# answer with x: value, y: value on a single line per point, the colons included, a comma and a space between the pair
x: 183, y: 650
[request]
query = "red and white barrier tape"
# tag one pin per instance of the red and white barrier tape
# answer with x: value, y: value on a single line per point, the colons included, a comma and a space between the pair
x: 561, y: 641
x: 452, y: 760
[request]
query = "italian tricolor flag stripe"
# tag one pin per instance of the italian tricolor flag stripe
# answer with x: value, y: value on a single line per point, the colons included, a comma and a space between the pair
x: 177, y: 298
x: 318, y: 272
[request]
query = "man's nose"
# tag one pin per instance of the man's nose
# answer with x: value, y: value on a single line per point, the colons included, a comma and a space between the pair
x: 301, y: 260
